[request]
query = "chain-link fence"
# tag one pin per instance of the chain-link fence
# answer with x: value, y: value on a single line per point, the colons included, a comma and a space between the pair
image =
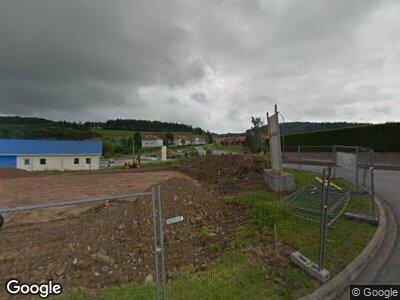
x: 85, y: 244
x: 183, y: 243
x: 344, y: 218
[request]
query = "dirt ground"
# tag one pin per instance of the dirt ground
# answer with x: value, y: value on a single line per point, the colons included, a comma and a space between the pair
x: 18, y: 187
x: 90, y: 247
x: 108, y: 245
x: 228, y: 174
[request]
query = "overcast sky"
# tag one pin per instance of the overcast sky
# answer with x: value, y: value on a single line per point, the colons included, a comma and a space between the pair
x: 212, y: 64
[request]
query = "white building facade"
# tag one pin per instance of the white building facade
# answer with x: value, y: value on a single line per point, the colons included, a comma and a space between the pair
x: 41, y: 155
x: 152, y: 142
x: 198, y: 141
x: 58, y: 162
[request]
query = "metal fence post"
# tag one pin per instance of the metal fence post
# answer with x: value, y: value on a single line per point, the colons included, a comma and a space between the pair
x: 323, y: 219
x: 153, y: 202
x: 162, y: 252
x: 328, y: 185
x: 322, y: 244
x: 323, y: 186
x: 357, y: 187
x: 334, y: 160
x: 298, y: 158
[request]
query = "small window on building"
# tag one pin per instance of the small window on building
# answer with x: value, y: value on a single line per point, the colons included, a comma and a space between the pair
x: 42, y: 161
x: 27, y: 161
x: 76, y: 161
x: 88, y: 161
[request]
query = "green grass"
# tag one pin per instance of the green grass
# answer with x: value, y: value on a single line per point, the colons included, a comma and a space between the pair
x: 169, y: 162
x: 230, y: 277
x: 233, y: 148
x: 235, y: 275
x: 207, y: 231
x: 130, y: 133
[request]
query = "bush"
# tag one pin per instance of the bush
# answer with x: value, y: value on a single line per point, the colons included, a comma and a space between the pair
x: 382, y: 137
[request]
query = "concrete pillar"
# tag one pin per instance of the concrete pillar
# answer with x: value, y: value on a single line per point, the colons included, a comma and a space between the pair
x: 163, y: 153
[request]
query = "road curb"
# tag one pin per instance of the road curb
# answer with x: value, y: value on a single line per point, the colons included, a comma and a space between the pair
x: 335, y: 287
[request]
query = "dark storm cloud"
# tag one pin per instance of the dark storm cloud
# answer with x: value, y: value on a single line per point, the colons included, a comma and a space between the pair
x: 209, y: 63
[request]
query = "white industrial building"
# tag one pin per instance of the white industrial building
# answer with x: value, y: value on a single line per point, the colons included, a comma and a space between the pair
x: 198, y: 140
x: 39, y: 155
x: 152, y: 141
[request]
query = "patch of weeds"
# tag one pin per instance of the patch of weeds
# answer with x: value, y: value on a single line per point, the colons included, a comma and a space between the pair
x: 302, y: 178
x: 207, y: 231
x: 129, y: 291
x: 185, y: 271
x: 245, y: 237
x: 230, y: 277
x: 215, y: 247
x: 263, y: 208
x: 69, y: 296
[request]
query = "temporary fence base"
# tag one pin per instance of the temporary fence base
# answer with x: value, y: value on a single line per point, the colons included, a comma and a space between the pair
x: 310, y: 267
x: 361, y: 218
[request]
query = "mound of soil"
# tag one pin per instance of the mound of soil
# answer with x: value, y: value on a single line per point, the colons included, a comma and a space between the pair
x: 113, y: 244
x: 229, y: 173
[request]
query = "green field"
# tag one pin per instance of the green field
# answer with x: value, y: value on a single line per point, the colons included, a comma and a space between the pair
x: 127, y: 133
x: 233, y: 148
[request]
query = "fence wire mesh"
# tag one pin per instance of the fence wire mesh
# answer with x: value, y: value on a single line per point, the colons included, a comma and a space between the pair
x: 84, y: 244
x: 241, y: 249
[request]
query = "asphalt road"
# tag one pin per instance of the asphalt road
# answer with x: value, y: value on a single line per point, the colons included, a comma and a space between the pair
x: 387, y: 188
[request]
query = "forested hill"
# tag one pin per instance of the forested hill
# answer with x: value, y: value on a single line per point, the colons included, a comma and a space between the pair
x: 39, y: 128
x: 141, y: 125
x: 36, y: 128
x: 297, y: 127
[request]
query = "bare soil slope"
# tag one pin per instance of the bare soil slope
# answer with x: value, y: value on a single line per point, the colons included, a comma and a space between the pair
x: 114, y: 244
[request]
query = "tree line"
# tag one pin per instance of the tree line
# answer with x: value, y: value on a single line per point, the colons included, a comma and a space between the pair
x: 381, y: 137
x: 118, y: 124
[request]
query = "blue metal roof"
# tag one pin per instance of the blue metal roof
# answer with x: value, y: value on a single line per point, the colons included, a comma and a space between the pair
x: 48, y: 147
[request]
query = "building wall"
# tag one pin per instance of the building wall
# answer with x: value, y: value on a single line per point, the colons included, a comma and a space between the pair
x: 230, y: 139
x: 197, y: 141
x: 151, y: 143
x: 178, y: 142
x: 60, y: 163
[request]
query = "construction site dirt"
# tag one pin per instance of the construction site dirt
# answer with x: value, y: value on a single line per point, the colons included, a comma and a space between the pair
x: 108, y: 245
x: 95, y: 246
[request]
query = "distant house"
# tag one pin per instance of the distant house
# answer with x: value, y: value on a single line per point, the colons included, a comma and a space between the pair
x: 37, y: 155
x: 152, y: 141
x: 198, y: 140
x: 230, y: 138
x: 181, y: 140
x: 177, y: 141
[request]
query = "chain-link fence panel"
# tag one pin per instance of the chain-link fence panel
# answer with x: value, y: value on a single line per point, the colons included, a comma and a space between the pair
x: 84, y: 245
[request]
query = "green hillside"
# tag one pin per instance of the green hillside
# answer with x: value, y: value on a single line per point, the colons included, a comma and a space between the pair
x: 105, y: 133
x: 381, y: 137
x: 45, y: 131
x: 116, y: 135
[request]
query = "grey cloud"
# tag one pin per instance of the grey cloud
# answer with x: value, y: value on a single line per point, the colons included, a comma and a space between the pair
x: 199, y: 97
x: 209, y: 63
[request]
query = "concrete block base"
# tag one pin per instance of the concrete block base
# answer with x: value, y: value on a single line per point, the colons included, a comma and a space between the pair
x: 310, y: 267
x: 279, y: 182
x: 361, y: 218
